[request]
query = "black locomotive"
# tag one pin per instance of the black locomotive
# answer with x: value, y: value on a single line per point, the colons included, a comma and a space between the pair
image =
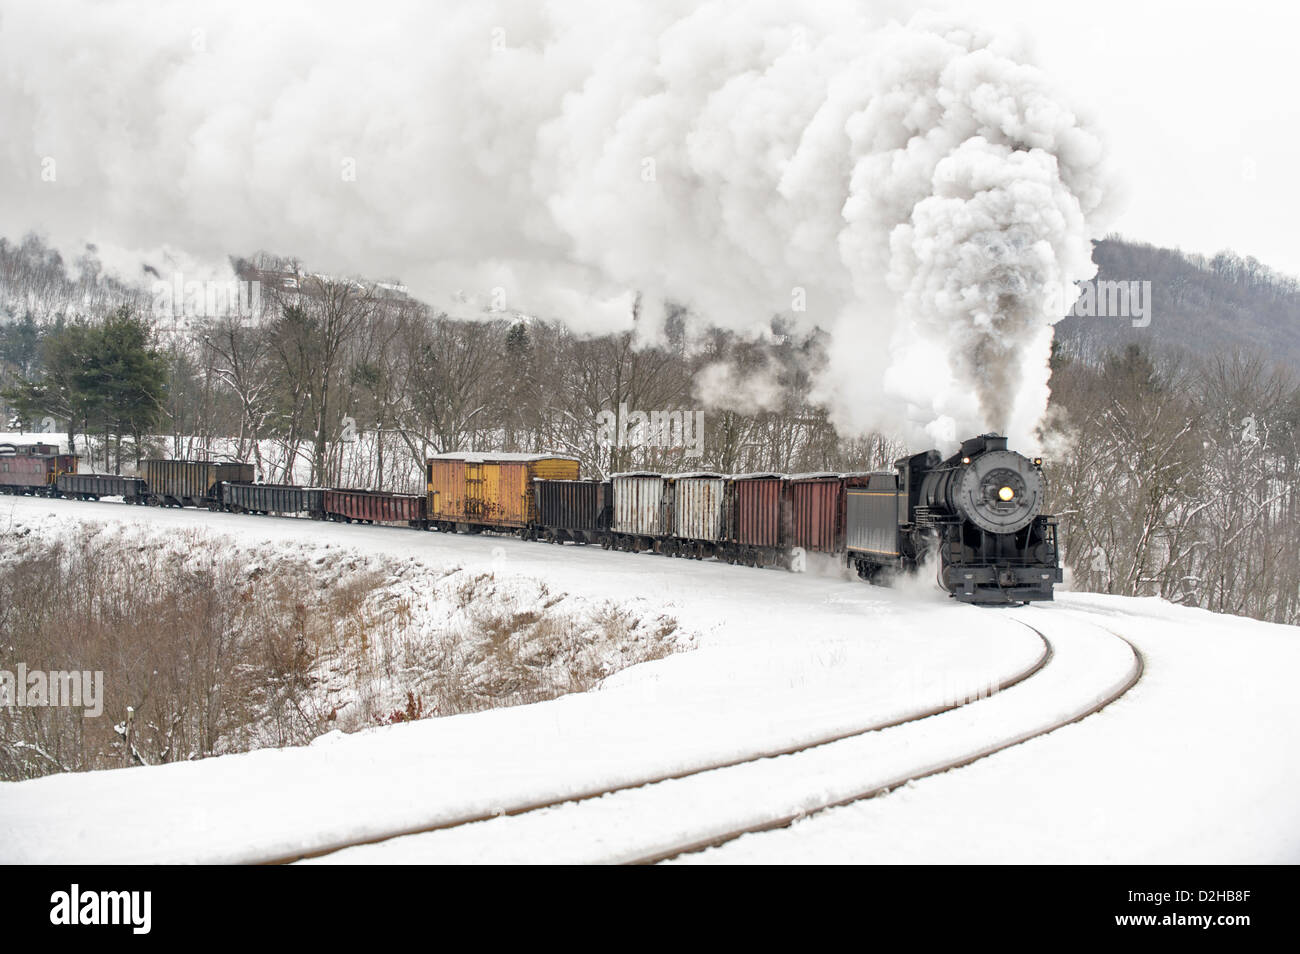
x: 978, y: 514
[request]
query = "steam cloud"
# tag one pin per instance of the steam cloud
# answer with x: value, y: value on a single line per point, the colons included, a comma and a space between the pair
x: 912, y: 187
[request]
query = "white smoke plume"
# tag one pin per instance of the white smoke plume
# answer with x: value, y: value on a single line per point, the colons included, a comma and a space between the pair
x: 911, y: 186
x: 723, y: 386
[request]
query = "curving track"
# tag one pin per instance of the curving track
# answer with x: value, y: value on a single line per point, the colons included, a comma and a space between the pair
x: 1083, y: 668
x: 539, y: 806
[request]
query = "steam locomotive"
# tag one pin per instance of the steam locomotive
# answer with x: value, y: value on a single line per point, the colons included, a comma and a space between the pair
x: 976, y: 516
x: 979, y: 512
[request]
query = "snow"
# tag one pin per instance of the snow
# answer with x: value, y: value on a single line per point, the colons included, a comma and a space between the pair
x: 645, y: 822
x: 1195, y: 763
x: 34, y: 437
x: 498, y: 456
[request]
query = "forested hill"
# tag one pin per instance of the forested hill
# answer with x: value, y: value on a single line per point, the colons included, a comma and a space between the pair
x: 1202, y: 306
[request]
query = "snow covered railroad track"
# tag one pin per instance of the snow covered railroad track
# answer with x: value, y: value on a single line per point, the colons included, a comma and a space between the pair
x: 1136, y: 670
x: 1082, y: 669
x: 343, y: 852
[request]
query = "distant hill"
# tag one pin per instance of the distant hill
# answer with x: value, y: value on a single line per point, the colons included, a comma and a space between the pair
x: 1200, y: 306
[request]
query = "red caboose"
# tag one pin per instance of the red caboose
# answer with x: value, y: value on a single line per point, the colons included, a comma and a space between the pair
x: 33, y: 468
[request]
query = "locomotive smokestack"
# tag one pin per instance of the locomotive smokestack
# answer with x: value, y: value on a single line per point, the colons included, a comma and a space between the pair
x: 974, y: 446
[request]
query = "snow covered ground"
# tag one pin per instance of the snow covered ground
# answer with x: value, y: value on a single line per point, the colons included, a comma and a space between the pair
x: 1197, y: 762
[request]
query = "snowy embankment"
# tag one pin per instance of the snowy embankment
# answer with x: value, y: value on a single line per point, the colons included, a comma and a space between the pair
x: 780, y: 659
x: 282, y: 641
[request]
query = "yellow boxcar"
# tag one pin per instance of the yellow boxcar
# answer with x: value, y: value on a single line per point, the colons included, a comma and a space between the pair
x: 490, y: 490
x: 447, y: 490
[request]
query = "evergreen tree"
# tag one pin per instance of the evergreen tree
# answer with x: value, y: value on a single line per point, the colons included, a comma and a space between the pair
x: 109, y: 377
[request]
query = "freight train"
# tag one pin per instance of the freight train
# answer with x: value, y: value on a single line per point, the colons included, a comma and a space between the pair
x: 976, y: 515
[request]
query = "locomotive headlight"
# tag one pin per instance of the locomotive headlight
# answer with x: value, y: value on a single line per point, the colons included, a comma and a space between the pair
x: 1006, y: 493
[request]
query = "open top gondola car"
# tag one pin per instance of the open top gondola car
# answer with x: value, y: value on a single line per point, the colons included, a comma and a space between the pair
x: 758, y: 520
x: 817, y: 510
x: 132, y: 490
x: 573, y: 510
x: 643, y: 511
x: 374, y: 506
x: 699, y: 519
x: 191, y: 483
x: 273, y: 498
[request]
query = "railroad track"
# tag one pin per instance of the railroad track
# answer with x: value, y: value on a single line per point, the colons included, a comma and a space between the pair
x: 1137, y: 670
x: 668, y: 816
x: 1040, y: 661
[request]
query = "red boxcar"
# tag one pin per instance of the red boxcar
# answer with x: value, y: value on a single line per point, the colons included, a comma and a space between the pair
x: 364, y: 506
x: 760, y: 512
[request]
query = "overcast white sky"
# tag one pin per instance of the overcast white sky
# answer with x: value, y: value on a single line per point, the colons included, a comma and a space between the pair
x: 1202, y: 105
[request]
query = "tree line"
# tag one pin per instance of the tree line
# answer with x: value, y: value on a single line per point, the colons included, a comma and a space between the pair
x: 1180, y: 479
x: 1173, y: 474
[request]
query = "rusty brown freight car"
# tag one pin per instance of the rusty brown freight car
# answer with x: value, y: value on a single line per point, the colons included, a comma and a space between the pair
x: 759, y: 522
x: 817, y: 503
x: 191, y: 483
x: 366, y: 506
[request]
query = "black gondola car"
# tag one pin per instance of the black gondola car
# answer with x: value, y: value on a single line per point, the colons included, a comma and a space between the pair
x: 94, y: 486
x: 273, y: 498
x: 576, y: 510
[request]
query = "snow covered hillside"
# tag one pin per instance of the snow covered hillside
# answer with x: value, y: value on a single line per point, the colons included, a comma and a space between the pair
x: 1195, y: 762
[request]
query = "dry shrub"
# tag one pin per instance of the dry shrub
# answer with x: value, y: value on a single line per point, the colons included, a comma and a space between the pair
x: 217, y: 648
